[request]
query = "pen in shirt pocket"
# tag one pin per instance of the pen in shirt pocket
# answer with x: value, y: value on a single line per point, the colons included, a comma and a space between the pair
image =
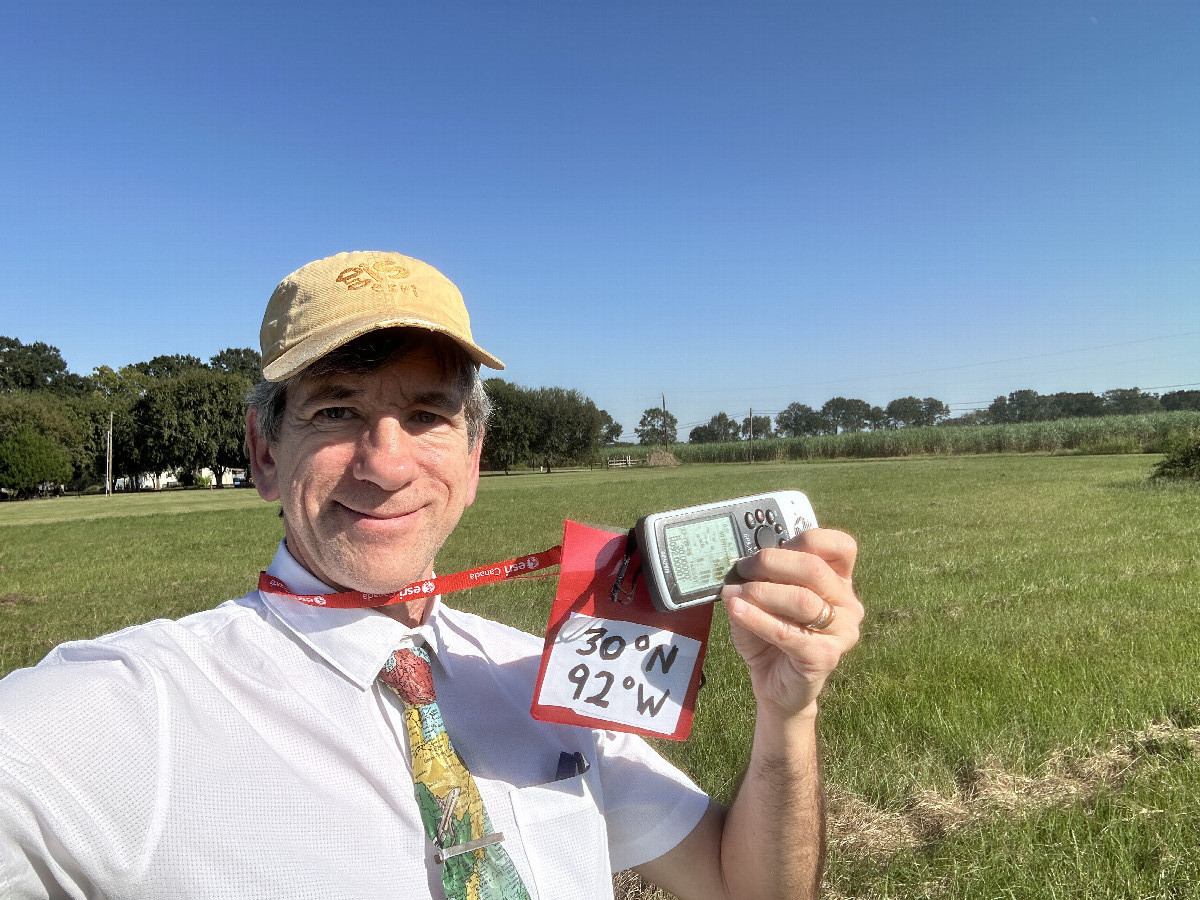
x: 570, y: 765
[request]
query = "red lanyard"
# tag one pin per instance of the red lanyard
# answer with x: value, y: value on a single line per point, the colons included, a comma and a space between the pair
x: 521, y: 567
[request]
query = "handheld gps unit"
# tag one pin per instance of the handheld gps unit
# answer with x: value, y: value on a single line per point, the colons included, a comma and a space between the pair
x: 687, y: 554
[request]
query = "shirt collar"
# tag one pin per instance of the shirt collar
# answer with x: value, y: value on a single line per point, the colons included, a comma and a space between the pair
x: 355, y: 642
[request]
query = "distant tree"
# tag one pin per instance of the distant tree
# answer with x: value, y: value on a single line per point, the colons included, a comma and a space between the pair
x: 877, y: 419
x: 71, y: 385
x: 933, y: 411
x: 1019, y: 406
x: 29, y: 459
x: 657, y: 426
x: 799, y: 420
x: 512, y: 429
x: 242, y: 361
x: 126, y: 383
x: 719, y: 430
x: 1029, y: 406
x: 32, y: 367
x: 846, y: 414
x: 569, y: 426
x: 998, y: 412
x: 1180, y: 400
x: 904, y: 412
x: 551, y: 425
x: 191, y: 422
x: 1067, y: 405
x: 48, y: 416
x: 36, y: 411
x: 115, y: 392
x: 89, y: 415
x: 169, y: 366
x: 762, y: 427
x: 610, y: 432
x: 1130, y: 401
x: 127, y: 456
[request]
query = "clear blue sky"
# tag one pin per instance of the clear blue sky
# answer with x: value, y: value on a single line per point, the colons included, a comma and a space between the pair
x: 735, y: 204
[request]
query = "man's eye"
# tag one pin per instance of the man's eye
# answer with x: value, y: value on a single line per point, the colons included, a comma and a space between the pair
x: 333, y: 412
x: 430, y: 418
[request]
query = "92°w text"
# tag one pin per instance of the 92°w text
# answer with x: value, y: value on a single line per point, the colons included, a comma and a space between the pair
x: 620, y: 672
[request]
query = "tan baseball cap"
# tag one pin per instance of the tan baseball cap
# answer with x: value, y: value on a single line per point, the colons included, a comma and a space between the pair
x: 332, y: 301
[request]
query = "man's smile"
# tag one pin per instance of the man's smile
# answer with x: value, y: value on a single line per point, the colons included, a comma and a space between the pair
x: 380, y: 516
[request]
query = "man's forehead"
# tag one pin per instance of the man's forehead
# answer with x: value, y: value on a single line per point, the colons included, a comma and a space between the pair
x: 414, y: 377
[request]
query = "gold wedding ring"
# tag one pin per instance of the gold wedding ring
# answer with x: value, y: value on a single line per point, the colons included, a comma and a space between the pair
x: 824, y: 620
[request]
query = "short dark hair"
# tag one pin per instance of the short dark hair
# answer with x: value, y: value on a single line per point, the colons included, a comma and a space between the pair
x: 366, y: 354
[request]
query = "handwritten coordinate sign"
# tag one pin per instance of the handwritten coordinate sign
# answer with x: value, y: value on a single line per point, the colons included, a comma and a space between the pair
x: 620, y: 672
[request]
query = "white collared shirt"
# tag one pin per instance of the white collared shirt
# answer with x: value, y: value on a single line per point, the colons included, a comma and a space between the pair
x: 249, y: 751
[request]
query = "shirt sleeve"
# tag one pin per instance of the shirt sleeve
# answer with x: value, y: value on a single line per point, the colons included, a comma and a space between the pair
x: 23, y: 854
x: 649, y: 804
x: 66, y: 816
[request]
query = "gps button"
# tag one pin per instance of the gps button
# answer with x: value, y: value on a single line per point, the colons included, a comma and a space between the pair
x: 766, y: 537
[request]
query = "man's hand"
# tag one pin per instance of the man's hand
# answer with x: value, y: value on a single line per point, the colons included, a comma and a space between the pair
x: 784, y: 591
x: 770, y: 842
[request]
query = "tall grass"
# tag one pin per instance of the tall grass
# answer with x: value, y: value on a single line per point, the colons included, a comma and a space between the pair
x: 1148, y: 433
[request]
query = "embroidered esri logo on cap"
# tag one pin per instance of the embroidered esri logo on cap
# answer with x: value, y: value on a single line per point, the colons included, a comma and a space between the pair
x: 380, y: 275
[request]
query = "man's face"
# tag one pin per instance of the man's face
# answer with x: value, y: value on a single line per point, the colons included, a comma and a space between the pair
x: 373, y: 472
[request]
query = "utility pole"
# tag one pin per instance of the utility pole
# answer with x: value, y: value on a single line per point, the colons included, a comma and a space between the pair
x: 752, y: 435
x: 666, y: 444
x: 108, y: 459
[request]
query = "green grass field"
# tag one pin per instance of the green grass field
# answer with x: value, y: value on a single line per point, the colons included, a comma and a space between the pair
x: 1021, y: 718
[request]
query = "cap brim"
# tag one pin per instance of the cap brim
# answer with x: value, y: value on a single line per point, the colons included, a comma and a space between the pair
x: 313, y: 347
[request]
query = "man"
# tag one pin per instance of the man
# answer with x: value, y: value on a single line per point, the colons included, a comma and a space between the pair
x: 277, y: 748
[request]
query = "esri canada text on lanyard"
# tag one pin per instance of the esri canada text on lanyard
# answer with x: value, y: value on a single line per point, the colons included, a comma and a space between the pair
x: 611, y: 659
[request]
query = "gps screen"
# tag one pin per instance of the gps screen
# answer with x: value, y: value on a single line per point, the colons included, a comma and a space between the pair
x: 701, y: 552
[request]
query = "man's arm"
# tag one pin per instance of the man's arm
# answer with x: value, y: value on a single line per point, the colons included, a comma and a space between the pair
x: 771, y: 840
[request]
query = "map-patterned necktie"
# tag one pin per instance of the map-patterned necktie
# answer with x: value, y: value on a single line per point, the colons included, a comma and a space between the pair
x: 474, y: 864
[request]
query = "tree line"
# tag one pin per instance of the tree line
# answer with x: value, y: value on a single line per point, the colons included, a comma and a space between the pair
x: 180, y: 414
x: 173, y: 413
x: 543, y: 427
x: 838, y: 414
x: 1030, y: 406
x: 848, y: 414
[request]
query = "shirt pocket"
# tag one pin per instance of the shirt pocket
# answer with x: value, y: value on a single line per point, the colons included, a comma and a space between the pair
x: 564, y: 838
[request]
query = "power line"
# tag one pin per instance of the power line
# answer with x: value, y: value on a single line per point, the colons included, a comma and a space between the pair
x: 959, y: 367
x: 997, y: 362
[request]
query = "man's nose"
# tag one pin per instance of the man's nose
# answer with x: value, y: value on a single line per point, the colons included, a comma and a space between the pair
x: 385, y: 455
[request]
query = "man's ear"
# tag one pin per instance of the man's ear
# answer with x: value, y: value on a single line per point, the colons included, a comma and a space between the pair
x: 262, y: 462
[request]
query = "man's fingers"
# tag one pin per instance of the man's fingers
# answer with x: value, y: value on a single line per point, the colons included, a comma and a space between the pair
x: 835, y: 612
x: 805, y: 582
x: 795, y: 566
x: 835, y: 547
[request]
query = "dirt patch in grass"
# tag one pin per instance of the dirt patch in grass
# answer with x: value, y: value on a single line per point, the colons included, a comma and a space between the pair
x: 628, y: 886
x: 859, y: 828
x: 11, y: 601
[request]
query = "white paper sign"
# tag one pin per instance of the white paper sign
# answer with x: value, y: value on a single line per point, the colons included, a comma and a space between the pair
x: 620, y: 671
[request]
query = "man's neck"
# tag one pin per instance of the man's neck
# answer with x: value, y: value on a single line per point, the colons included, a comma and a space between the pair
x: 412, y: 614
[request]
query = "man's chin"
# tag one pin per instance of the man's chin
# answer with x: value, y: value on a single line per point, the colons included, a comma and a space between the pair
x: 375, y: 579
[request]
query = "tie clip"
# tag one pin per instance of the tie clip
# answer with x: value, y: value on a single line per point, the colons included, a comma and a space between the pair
x: 458, y: 850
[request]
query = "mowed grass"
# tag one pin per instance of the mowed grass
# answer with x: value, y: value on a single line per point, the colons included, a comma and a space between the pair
x: 1021, y: 718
